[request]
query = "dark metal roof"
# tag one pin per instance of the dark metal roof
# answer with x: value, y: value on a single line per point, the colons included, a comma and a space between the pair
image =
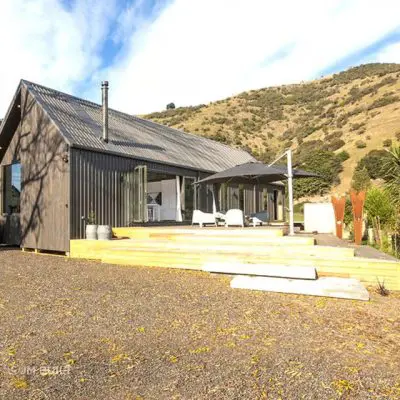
x: 80, y: 122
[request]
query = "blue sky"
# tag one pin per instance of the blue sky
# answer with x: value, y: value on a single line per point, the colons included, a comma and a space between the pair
x: 365, y: 54
x: 187, y: 51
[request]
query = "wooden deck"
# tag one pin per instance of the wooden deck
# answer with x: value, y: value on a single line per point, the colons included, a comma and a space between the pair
x: 193, y: 248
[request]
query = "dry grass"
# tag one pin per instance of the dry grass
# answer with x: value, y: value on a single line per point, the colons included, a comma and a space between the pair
x: 131, y: 333
x: 379, y: 123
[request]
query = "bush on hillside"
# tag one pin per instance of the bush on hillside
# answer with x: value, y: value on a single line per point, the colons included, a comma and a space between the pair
x: 387, y: 142
x: 383, y: 101
x: 335, y: 145
x: 324, y: 163
x: 364, y: 71
x: 266, y: 156
x: 361, y: 144
x: 303, y: 151
x: 357, y: 126
x: 343, y: 156
x: 373, y: 162
x: 334, y: 135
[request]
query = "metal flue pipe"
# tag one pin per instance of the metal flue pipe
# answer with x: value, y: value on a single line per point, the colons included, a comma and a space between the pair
x: 104, y: 95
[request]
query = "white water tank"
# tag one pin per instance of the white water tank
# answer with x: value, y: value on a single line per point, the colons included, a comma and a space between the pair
x: 319, y: 217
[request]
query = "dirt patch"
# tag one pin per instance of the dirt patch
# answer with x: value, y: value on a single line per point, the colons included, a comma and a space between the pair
x: 84, y: 330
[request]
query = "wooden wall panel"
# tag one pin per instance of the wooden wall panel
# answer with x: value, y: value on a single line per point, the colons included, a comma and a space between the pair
x: 44, y: 178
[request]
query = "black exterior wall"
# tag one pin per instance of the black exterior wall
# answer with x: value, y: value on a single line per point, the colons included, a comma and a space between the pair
x: 97, y: 184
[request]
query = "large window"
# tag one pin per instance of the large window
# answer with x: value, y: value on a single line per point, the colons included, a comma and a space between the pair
x: 12, y: 188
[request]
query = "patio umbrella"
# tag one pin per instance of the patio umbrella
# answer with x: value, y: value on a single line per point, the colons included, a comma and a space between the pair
x: 297, y: 173
x: 257, y: 172
x: 254, y: 172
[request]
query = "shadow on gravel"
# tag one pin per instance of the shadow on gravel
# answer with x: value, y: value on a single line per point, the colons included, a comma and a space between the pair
x: 6, y: 247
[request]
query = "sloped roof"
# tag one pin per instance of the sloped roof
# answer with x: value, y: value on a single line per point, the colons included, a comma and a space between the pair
x: 80, y: 122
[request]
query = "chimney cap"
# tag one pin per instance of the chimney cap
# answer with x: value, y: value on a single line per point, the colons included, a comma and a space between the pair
x: 104, y: 83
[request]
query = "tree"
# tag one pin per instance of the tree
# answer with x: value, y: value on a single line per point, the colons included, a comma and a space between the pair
x: 323, y: 162
x: 361, y: 180
x: 374, y: 162
x: 170, y: 106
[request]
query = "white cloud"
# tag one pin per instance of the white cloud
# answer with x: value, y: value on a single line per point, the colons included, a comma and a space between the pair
x: 390, y: 53
x: 43, y: 42
x: 197, y: 51
x: 193, y: 52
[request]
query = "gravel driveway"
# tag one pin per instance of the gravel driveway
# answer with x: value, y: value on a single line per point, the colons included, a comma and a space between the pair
x: 83, y: 330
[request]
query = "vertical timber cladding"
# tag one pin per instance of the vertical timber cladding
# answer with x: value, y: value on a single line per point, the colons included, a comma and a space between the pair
x: 99, y: 183
x: 43, y: 154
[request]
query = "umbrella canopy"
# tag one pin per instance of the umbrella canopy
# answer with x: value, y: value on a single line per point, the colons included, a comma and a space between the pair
x: 297, y: 173
x: 254, y: 172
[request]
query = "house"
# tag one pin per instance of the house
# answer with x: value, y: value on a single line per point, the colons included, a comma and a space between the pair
x: 73, y: 159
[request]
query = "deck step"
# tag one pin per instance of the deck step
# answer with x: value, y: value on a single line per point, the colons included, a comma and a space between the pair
x: 249, y: 256
x: 328, y: 287
x: 272, y: 241
x: 270, y: 251
x: 368, y: 271
x: 197, y: 231
x: 271, y: 270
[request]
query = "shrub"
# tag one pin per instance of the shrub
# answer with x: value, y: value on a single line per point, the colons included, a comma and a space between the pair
x: 303, y: 151
x: 348, y: 212
x: 335, y: 145
x: 266, y: 156
x: 387, y: 142
x: 392, y: 176
x: 383, y: 101
x: 373, y: 162
x: 398, y: 136
x: 343, y: 155
x: 381, y: 289
x: 288, y: 144
x: 334, y: 135
x: 360, y: 144
x: 378, y: 204
x: 361, y: 180
x: 357, y: 126
x: 324, y: 163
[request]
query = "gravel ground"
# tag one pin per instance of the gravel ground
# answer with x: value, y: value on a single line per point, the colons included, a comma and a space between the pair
x: 83, y: 330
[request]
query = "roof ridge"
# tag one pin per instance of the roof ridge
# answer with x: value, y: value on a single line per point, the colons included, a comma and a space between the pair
x: 80, y: 99
x: 179, y: 148
x: 132, y: 116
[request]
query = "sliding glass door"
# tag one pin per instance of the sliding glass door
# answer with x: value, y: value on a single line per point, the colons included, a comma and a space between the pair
x: 136, y: 194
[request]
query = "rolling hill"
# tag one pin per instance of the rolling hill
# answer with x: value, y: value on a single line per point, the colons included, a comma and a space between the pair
x: 354, y: 111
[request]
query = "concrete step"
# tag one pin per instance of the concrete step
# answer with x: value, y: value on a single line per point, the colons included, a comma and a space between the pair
x: 327, y: 287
